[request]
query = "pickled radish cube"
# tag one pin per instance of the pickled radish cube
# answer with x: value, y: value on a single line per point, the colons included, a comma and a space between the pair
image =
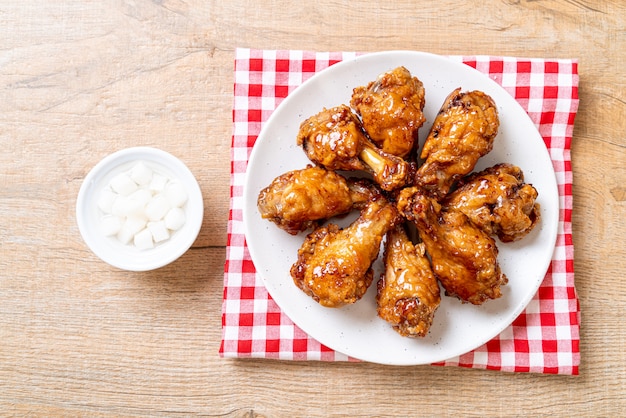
x: 158, y: 182
x: 141, y: 174
x: 159, y: 231
x: 125, y: 206
x: 131, y: 226
x: 110, y: 225
x: 176, y: 194
x: 140, y: 198
x: 123, y: 184
x: 157, y: 207
x: 134, y: 207
x: 106, y: 199
x: 125, y: 235
x: 143, y: 239
x: 135, y: 223
x: 120, y: 206
x: 175, y: 219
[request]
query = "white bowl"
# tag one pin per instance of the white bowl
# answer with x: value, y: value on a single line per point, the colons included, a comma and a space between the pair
x: 127, y: 256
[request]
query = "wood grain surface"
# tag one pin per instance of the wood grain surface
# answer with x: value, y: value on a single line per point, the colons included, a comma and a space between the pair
x: 80, y: 79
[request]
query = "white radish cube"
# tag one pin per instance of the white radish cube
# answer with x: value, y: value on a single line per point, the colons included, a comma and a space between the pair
x: 175, y: 219
x: 120, y: 206
x: 106, y: 199
x: 135, y: 223
x: 123, y: 184
x: 158, y: 182
x: 138, y: 200
x: 110, y: 225
x: 125, y: 234
x: 126, y: 206
x: 157, y: 207
x: 159, y: 231
x: 142, y: 195
x: 176, y: 194
x: 131, y: 226
x: 141, y: 174
x: 133, y: 207
x: 143, y: 239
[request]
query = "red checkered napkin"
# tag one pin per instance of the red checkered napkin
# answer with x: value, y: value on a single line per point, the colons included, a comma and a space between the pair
x: 543, y: 339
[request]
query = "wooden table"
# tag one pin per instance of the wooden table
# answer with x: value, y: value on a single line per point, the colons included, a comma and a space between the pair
x: 80, y: 79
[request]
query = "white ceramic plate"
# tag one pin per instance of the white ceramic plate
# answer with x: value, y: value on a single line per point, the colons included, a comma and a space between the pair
x: 356, y: 330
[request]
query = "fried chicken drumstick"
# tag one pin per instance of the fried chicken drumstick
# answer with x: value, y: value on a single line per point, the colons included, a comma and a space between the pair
x: 391, y: 110
x: 334, y: 138
x: 407, y: 292
x: 463, y: 257
x: 498, y: 201
x: 298, y: 200
x: 462, y: 132
x: 334, y: 265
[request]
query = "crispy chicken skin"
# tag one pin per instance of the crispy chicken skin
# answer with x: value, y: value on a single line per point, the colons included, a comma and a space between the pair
x: 334, y: 265
x: 334, y: 138
x: 298, y: 200
x: 498, y: 201
x: 463, y: 257
x: 462, y: 132
x: 391, y: 110
x: 407, y: 292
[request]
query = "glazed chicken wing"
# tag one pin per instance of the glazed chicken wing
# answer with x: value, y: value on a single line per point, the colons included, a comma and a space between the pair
x: 462, y: 132
x: 334, y: 265
x: 498, y: 201
x: 463, y: 257
x: 300, y: 199
x: 408, y: 292
x: 334, y: 138
x: 391, y: 110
